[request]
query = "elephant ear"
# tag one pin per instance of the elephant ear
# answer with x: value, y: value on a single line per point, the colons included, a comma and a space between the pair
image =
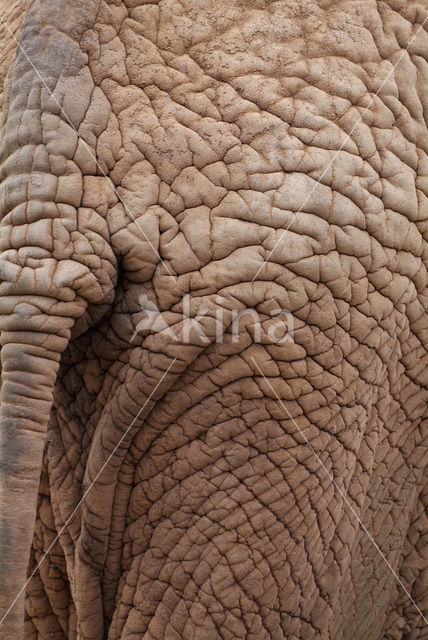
x: 55, y: 253
x: 57, y: 270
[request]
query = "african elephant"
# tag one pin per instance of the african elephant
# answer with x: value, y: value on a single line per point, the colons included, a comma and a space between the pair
x: 214, y: 321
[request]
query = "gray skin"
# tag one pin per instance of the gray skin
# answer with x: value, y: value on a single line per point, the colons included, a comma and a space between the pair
x: 187, y: 483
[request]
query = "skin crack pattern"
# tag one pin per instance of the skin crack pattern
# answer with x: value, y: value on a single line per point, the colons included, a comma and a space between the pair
x: 178, y: 178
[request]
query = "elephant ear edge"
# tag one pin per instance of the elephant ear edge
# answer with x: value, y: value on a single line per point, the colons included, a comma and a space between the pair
x: 56, y: 264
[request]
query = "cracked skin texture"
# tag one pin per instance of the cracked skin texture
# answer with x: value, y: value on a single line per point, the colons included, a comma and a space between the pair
x: 12, y: 15
x: 214, y: 122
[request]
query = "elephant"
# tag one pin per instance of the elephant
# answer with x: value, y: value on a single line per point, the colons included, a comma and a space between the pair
x: 214, y: 328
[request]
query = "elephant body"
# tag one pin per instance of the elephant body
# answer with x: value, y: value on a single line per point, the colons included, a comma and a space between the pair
x: 175, y: 175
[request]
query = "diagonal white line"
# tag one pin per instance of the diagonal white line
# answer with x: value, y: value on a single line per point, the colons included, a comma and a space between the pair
x: 364, y: 528
x: 85, y: 494
x: 347, y: 137
x: 110, y: 182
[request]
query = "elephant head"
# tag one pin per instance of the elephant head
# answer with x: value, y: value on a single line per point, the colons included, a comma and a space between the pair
x: 213, y: 294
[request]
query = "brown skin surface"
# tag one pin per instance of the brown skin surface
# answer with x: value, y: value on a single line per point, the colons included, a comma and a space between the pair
x: 11, y: 14
x: 213, y: 518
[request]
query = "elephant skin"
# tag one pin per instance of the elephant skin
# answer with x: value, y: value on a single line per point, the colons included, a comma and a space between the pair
x: 11, y: 17
x: 168, y: 473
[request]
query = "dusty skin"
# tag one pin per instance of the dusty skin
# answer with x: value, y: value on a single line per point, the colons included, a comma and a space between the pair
x: 160, y: 151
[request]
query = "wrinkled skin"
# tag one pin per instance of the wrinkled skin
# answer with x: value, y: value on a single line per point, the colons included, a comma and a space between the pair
x: 12, y: 15
x: 214, y: 518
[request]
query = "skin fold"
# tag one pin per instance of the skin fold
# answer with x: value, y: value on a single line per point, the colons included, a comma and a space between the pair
x: 214, y: 159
